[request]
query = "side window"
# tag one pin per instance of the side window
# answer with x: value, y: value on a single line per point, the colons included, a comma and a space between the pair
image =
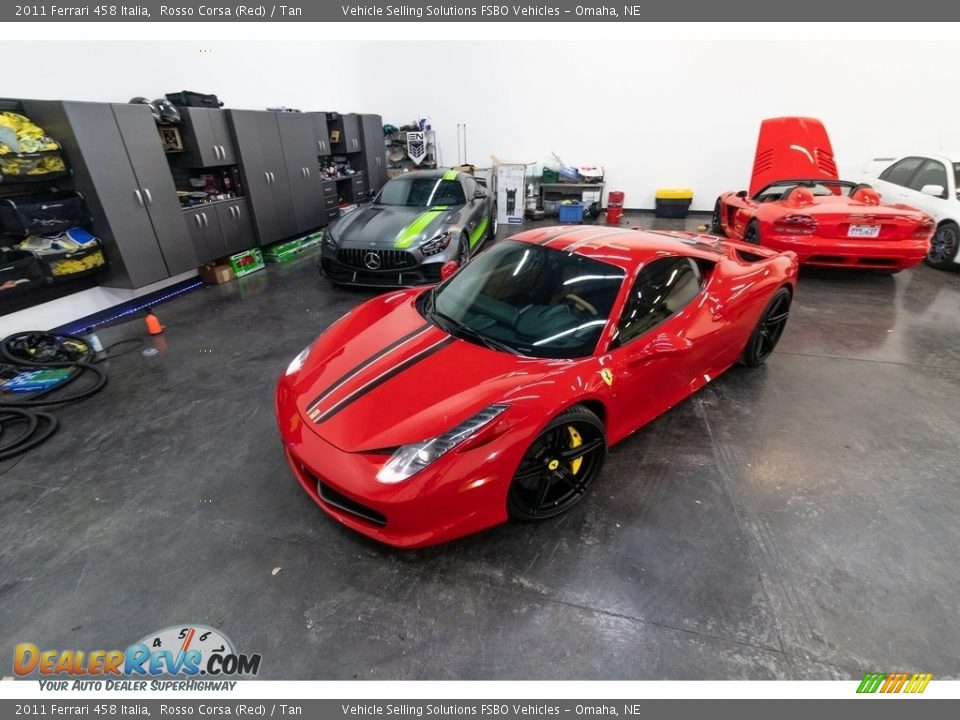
x: 933, y: 172
x: 662, y: 288
x: 900, y: 173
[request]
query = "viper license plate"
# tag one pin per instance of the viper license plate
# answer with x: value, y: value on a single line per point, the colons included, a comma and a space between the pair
x: 864, y: 231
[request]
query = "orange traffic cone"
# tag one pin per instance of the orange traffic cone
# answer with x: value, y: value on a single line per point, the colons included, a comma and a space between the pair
x: 153, y: 323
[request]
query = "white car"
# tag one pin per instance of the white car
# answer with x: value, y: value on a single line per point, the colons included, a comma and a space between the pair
x: 928, y: 183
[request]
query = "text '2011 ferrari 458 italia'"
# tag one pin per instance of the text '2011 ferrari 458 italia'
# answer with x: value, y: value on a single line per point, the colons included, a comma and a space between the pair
x: 426, y: 414
x: 797, y: 202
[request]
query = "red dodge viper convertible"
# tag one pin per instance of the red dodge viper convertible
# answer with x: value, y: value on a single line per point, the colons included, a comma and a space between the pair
x: 796, y: 202
x: 428, y: 414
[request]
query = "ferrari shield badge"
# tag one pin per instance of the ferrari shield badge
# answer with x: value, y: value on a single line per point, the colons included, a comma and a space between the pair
x: 607, y: 375
x: 416, y: 147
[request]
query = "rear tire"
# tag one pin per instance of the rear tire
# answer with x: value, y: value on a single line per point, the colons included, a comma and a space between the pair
x: 769, y: 328
x: 943, y: 246
x: 716, y: 226
x: 752, y: 233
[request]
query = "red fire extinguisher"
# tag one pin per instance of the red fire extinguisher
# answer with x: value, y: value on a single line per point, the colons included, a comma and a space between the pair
x: 614, y: 207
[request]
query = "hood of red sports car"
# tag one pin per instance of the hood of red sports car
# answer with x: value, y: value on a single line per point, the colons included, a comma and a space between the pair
x: 383, y: 376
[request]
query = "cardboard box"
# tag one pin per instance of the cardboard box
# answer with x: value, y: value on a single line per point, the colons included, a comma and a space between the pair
x: 216, y: 273
x: 292, y: 249
x: 246, y: 262
x: 510, y: 190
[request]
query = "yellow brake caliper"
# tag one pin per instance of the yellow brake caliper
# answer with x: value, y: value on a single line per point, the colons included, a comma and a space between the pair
x: 575, y: 442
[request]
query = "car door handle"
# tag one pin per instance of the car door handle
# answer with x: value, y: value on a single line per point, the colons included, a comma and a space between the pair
x: 146, y: 191
x: 139, y: 197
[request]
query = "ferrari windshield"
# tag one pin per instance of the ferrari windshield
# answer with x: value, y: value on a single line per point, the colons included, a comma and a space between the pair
x: 421, y: 192
x: 529, y: 300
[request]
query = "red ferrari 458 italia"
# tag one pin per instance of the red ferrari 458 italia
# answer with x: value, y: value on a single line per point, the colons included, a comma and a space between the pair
x: 796, y: 202
x: 427, y: 414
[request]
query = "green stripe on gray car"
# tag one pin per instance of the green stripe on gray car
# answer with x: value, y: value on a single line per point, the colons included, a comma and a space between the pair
x: 478, y: 232
x: 410, y: 233
x: 450, y: 175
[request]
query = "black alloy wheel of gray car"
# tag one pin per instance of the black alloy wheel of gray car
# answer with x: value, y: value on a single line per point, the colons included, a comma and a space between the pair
x: 752, y: 233
x: 943, y: 246
x: 463, y: 254
x: 716, y: 227
x: 492, y: 223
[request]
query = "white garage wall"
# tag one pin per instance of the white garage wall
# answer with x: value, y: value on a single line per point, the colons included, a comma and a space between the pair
x: 654, y: 114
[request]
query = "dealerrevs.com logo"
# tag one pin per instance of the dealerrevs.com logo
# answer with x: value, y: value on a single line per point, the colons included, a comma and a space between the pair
x: 182, y: 652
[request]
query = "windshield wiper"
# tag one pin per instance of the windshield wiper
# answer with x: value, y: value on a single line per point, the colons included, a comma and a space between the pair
x: 459, y: 329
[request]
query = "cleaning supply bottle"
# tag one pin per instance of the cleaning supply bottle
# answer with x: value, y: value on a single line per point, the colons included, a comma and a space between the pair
x: 153, y: 323
x: 94, y: 341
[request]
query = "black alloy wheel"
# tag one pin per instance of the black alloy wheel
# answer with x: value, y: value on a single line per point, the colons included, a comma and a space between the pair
x: 767, y: 333
x: 943, y: 246
x: 559, y: 467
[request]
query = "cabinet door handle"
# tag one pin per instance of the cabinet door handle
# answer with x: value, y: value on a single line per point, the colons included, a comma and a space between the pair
x: 206, y: 222
x: 216, y: 152
x: 196, y: 219
x: 146, y: 191
x: 223, y: 153
x: 273, y: 178
x: 139, y: 197
x: 308, y: 172
x: 320, y: 145
x: 266, y: 176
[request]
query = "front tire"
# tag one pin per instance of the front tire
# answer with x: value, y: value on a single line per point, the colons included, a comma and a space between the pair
x: 769, y: 328
x: 752, y: 233
x: 492, y: 232
x: 943, y: 246
x: 559, y: 467
x: 463, y: 253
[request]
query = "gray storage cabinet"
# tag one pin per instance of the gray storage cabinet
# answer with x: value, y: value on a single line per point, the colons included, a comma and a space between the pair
x: 121, y: 171
x: 351, y: 139
x: 374, y: 152
x: 321, y: 132
x: 260, y: 153
x: 298, y: 140
x: 219, y: 229
x: 207, y: 141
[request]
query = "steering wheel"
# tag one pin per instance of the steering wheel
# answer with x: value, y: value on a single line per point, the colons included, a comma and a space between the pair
x: 581, y: 303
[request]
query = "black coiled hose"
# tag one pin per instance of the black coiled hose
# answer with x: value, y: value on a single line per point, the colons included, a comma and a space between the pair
x: 36, y: 350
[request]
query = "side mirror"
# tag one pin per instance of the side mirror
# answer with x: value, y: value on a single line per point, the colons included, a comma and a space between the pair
x: 448, y: 269
x: 480, y: 195
x: 742, y: 194
x: 663, y: 344
x: 935, y: 190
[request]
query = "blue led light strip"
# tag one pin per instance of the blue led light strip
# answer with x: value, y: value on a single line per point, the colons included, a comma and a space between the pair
x: 111, y: 315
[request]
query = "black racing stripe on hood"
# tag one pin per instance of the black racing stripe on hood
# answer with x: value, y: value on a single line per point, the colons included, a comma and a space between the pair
x: 553, y: 236
x: 384, y: 377
x: 362, y: 220
x: 363, y: 366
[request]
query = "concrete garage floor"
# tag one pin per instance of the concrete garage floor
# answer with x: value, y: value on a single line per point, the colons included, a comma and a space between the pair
x: 797, y: 521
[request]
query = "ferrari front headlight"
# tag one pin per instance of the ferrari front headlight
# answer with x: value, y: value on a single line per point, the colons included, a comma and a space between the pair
x: 436, y: 244
x: 298, y: 361
x: 408, y: 460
